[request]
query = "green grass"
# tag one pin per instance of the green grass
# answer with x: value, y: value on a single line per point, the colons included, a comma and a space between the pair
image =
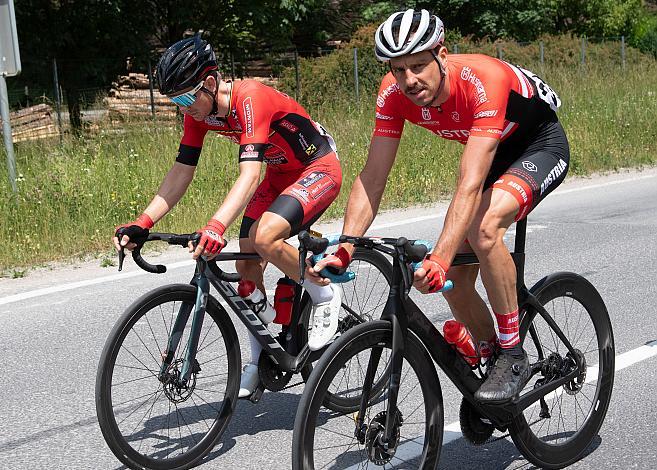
x: 71, y: 196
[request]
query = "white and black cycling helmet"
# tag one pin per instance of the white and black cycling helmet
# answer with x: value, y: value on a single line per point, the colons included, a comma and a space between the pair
x: 408, y: 32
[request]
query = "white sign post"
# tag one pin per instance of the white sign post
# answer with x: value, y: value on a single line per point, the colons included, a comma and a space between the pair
x: 10, y: 65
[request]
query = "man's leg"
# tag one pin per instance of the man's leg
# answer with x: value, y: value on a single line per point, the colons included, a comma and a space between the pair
x: 466, y: 304
x: 498, y: 273
x: 268, y: 236
x: 250, y: 270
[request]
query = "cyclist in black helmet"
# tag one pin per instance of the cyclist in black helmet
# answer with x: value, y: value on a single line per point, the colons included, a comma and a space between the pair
x: 302, y: 178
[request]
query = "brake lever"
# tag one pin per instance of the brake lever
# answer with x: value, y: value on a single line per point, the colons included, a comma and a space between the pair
x: 121, y: 258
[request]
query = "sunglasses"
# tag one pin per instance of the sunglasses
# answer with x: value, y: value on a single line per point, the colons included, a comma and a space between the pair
x: 188, y: 98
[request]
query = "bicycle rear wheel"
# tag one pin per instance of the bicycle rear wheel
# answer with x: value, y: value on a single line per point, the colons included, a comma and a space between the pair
x: 558, y: 434
x: 324, y: 438
x: 153, y: 423
x: 363, y: 299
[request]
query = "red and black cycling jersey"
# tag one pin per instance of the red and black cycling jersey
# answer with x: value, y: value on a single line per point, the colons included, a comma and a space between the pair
x: 487, y: 97
x: 270, y: 127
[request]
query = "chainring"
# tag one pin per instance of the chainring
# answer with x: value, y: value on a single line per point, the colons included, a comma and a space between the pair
x: 272, y: 377
x: 474, y: 426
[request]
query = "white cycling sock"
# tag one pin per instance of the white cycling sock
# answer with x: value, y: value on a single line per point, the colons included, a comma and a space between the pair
x: 318, y: 294
x: 256, y: 349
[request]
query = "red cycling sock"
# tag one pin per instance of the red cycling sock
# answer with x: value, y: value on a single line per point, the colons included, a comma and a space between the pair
x: 509, y: 329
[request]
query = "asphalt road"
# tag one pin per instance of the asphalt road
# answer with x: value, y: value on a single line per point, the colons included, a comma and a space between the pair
x: 55, y: 321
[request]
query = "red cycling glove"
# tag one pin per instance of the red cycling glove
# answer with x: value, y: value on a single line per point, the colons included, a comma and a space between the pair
x: 212, y: 236
x: 436, y: 270
x: 137, y: 229
x: 338, y: 262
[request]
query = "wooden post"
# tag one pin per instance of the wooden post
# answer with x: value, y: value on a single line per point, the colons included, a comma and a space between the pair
x: 356, y: 73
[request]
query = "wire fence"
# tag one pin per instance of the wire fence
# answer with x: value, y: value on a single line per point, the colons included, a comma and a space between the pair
x: 140, y: 97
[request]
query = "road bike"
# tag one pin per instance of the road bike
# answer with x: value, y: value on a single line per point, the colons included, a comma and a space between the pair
x: 564, y: 327
x: 169, y: 374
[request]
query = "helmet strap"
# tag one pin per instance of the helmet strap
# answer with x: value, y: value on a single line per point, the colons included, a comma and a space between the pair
x: 442, y: 77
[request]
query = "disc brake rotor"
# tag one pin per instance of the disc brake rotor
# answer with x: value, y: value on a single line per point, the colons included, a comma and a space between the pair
x: 379, y: 452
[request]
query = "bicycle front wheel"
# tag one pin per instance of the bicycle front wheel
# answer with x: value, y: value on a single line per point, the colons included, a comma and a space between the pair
x: 150, y: 420
x: 558, y: 432
x: 324, y: 438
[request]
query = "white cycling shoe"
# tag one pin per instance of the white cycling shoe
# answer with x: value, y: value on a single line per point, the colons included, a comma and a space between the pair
x: 324, y: 320
x: 249, y: 381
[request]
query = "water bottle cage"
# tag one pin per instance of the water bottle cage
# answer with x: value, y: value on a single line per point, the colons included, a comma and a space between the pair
x: 257, y: 307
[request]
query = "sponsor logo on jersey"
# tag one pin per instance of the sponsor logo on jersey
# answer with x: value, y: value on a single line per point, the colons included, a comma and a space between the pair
x: 468, y: 76
x: 248, y: 116
x: 451, y: 134
x: 312, y: 178
x: 383, y: 117
x: 302, y: 193
x: 278, y: 159
x: 484, y: 114
x: 553, y: 175
x: 426, y: 114
x: 289, y: 126
x: 381, y: 130
x: 530, y: 166
x: 322, y: 188
x: 311, y: 149
x: 249, y: 155
x: 383, y: 96
x: 302, y: 141
x: 249, y: 148
x: 455, y: 116
x: 493, y: 131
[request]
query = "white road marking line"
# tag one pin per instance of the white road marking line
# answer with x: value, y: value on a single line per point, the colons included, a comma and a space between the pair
x: 172, y: 266
x: 603, y: 185
x: 89, y: 282
x: 452, y: 431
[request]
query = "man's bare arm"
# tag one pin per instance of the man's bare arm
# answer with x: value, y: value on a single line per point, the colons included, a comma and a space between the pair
x: 475, y: 165
x: 368, y: 188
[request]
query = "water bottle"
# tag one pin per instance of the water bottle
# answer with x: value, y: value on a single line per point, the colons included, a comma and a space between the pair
x: 457, y: 335
x: 256, y: 301
x: 284, y: 300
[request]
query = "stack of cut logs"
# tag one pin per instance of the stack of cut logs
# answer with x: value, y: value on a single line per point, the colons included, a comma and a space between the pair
x: 130, y: 97
x: 34, y: 122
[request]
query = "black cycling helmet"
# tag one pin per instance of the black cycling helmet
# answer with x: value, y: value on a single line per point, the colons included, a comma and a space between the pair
x: 184, y: 65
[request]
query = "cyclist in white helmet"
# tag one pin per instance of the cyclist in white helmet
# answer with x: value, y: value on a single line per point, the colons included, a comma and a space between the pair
x: 515, y: 153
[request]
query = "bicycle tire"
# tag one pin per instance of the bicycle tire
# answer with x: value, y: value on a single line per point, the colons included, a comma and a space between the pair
x: 120, y: 341
x: 376, y: 333
x: 384, y: 268
x: 573, y: 290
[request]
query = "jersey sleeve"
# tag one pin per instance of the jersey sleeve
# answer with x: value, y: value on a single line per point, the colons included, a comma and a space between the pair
x: 488, y: 98
x: 254, y: 113
x: 389, y: 117
x: 191, y: 143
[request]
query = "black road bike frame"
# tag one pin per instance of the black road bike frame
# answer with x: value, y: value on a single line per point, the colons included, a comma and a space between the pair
x: 292, y: 358
x: 405, y: 316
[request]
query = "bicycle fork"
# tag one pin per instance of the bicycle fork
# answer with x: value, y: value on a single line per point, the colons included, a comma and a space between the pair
x: 189, y: 364
x: 399, y: 331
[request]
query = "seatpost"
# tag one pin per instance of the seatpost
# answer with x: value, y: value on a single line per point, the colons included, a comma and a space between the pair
x: 521, y: 235
x: 519, y: 252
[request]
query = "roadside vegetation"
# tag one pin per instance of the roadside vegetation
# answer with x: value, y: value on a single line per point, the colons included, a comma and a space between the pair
x: 72, y: 195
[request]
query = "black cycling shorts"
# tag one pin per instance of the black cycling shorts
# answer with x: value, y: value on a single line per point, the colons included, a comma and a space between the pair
x: 530, y: 169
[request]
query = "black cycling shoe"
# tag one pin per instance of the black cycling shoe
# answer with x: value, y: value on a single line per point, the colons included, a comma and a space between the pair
x: 506, y: 378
